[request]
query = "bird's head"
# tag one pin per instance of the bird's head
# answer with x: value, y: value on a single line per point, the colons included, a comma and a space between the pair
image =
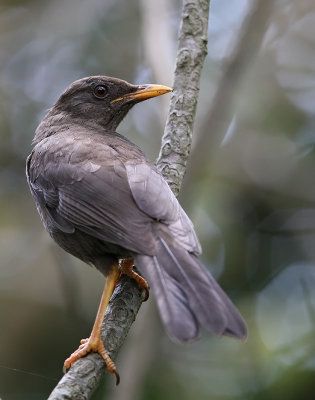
x: 100, y: 101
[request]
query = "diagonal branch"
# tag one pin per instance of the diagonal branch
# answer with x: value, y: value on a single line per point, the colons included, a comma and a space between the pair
x: 85, y: 375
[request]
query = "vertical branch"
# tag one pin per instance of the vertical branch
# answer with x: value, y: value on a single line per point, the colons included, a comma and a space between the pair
x: 192, y: 50
x: 85, y: 375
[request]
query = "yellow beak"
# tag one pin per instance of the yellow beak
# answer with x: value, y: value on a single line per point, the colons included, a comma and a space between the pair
x: 144, y: 92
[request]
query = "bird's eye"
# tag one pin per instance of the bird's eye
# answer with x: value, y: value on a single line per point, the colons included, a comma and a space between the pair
x: 100, y: 91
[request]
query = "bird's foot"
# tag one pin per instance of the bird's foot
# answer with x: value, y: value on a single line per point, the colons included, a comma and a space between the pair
x: 97, y: 346
x: 126, y: 267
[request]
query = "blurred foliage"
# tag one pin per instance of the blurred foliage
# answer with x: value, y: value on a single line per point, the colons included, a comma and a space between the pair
x: 251, y: 200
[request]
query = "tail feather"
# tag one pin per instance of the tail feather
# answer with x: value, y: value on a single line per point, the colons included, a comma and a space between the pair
x: 187, y: 295
x: 172, y: 301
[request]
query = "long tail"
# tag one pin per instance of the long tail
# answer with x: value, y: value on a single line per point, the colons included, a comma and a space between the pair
x: 188, y: 296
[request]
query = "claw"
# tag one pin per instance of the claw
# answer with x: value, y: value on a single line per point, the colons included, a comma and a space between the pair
x: 117, y: 378
x: 86, y: 347
x: 126, y: 267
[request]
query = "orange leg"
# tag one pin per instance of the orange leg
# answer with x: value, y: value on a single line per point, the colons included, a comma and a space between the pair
x: 126, y: 267
x: 94, y: 342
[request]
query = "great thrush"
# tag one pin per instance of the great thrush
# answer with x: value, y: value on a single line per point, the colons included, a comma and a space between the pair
x: 103, y: 201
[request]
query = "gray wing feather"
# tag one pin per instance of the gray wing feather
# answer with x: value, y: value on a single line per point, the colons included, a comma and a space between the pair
x: 154, y: 197
x: 95, y: 199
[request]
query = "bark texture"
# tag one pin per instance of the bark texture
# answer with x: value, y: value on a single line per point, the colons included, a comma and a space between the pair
x: 192, y: 50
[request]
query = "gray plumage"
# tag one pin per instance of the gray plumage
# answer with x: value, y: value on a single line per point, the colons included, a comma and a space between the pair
x: 101, y: 199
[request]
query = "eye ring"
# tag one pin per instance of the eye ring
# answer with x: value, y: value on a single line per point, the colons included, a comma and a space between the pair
x: 100, y: 91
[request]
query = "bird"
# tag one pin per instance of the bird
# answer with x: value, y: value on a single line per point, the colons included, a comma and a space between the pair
x: 104, y: 201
